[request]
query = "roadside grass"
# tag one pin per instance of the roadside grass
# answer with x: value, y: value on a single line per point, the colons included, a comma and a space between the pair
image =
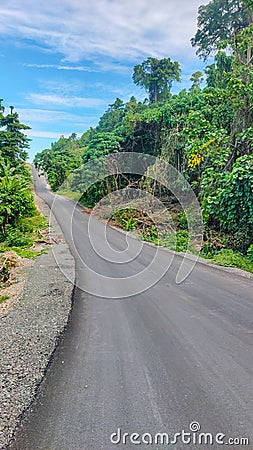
x: 22, y: 252
x: 3, y: 298
x: 179, y: 241
x: 132, y: 220
x: 229, y: 258
x: 225, y: 257
x: 21, y: 240
x: 70, y: 194
x: 25, y: 233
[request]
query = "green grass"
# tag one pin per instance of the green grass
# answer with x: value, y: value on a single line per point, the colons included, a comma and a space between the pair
x: 21, y: 237
x: 28, y: 253
x: 229, y: 258
x: 70, y: 194
x: 178, y: 241
x: 22, y: 252
x: 3, y: 298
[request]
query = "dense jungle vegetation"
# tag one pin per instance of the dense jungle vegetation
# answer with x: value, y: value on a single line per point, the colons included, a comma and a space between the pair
x: 20, y: 221
x: 206, y: 132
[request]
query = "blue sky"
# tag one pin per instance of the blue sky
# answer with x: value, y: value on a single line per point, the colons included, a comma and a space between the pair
x: 63, y: 61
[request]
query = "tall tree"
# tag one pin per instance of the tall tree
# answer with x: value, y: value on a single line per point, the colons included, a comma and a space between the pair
x: 219, y: 22
x: 196, y: 78
x: 112, y: 117
x: 13, y: 142
x: 218, y: 73
x: 156, y: 76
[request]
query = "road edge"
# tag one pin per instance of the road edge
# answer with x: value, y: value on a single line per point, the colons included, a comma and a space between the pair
x: 30, y: 334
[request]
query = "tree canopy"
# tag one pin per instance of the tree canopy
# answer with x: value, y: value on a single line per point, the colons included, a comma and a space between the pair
x: 219, y: 22
x: 156, y: 77
x: 16, y: 199
x: 206, y: 132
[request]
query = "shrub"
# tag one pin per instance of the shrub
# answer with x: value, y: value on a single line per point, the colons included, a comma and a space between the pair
x: 15, y: 238
x: 250, y: 253
x: 231, y: 202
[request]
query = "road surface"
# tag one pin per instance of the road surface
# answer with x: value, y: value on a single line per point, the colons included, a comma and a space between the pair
x: 154, y: 362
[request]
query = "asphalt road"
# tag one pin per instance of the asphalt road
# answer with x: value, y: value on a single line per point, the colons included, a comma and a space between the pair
x: 153, y: 362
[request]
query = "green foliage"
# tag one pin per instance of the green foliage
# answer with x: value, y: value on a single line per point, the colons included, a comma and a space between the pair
x: 16, y: 199
x: 218, y: 22
x: 112, y: 117
x: 100, y: 144
x: 150, y: 234
x: 156, y: 77
x: 61, y: 160
x: 250, y: 253
x: 19, y: 219
x: 231, y: 202
x: 197, y: 79
x: 23, y: 252
x: 182, y: 221
x: 177, y: 241
x: 206, y: 133
x: 13, y: 142
x: 3, y: 298
x: 127, y: 218
x: 132, y: 219
x: 229, y: 258
x: 21, y: 236
x: 15, y: 238
x: 218, y: 73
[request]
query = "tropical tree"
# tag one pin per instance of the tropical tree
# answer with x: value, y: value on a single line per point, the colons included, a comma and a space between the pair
x: 218, y: 73
x: 13, y: 142
x: 16, y: 199
x: 112, y: 117
x: 156, y: 77
x: 219, y: 22
x: 101, y: 144
x: 196, y: 78
x: 58, y: 162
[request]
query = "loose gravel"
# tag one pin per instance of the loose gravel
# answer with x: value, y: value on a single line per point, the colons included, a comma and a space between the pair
x: 29, y: 334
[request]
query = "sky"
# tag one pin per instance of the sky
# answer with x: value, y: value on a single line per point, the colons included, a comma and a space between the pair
x: 62, y: 62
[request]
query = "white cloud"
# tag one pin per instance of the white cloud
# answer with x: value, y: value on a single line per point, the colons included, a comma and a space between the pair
x: 105, y: 66
x: 49, y: 134
x: 44, y: 134
x: 60, y: 67
x: 122, y: 30
x: 49, y: 116
x: 58, y: 100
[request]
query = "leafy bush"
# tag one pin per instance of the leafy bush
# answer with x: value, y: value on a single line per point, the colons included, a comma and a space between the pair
x: 182, y: 221
x: 214, y: 241
x: 182, y: 241
x: 15, y: 238
x: 231, y: 203
x: 250, y: 253
x: 16, y: 199
x: 32, y: 224
x: 150, y: 234
x: 175, y: 241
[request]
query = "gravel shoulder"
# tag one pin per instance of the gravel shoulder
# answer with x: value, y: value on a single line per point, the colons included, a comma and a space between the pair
x: 30, y: 331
